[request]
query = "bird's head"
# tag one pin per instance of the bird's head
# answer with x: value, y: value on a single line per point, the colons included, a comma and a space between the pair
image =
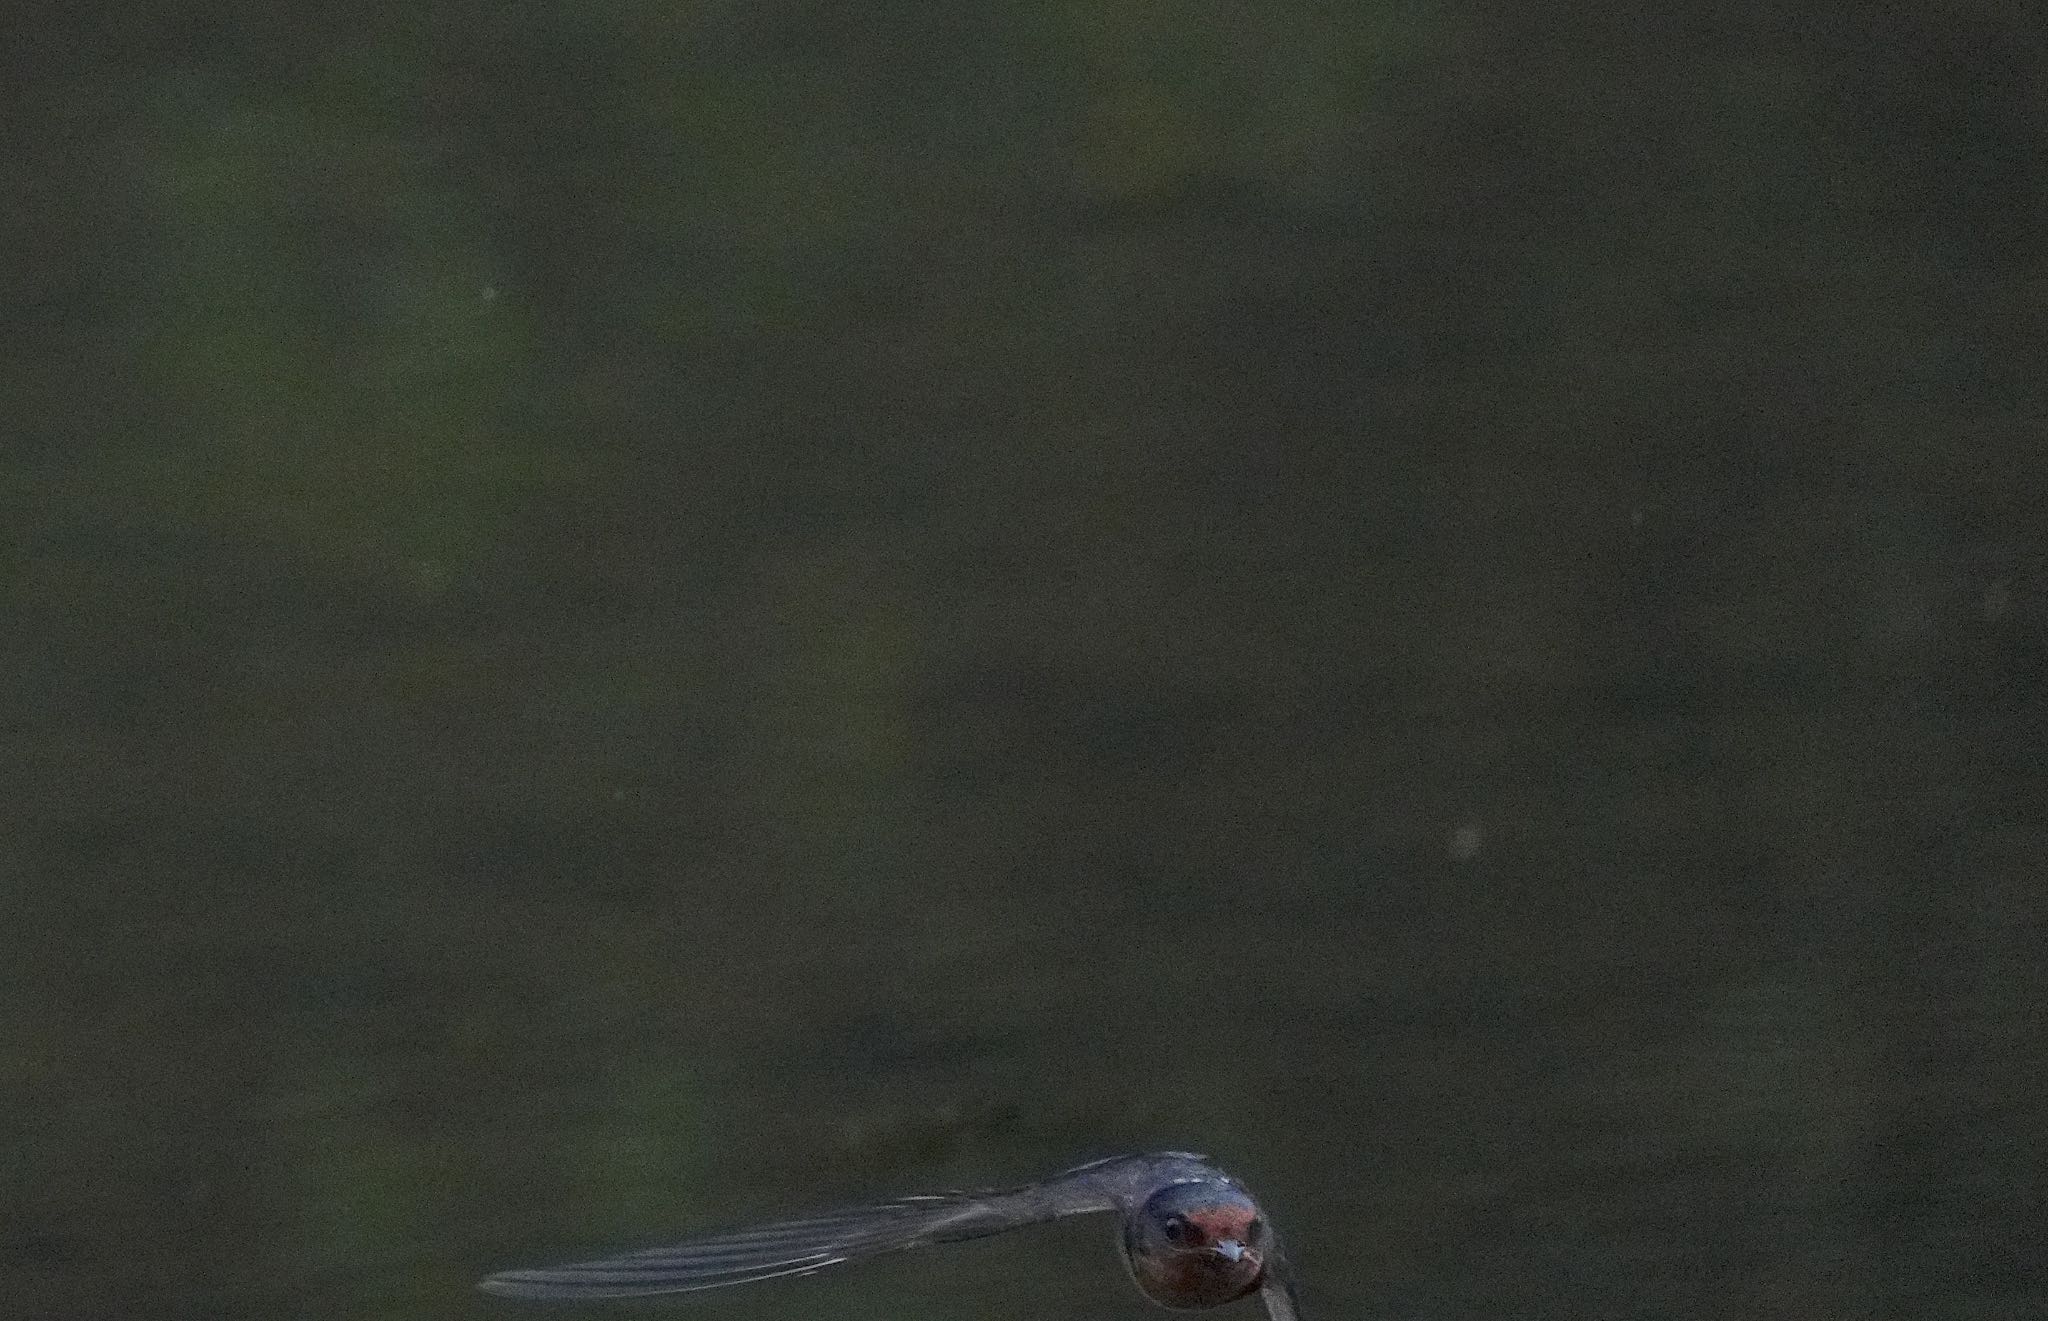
x: 1197, y: 1244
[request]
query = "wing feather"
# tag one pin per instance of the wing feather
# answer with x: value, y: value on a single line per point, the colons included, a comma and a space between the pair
x: 798, y: 1247
x: 1278, y: 1293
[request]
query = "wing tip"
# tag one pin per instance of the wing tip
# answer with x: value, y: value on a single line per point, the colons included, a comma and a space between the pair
x: 510, y: 1284
x: 613, y: 1279
x: 513, y: 1284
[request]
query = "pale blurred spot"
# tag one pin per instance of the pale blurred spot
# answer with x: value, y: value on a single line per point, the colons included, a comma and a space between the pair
x: 1997, y: 599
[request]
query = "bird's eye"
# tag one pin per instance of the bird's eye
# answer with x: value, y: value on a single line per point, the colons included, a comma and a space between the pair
x: 1253, y: 1227
x: 1176, y: 1229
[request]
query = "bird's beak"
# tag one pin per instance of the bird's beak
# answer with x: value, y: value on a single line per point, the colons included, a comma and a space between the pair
x: 1230, y: 1249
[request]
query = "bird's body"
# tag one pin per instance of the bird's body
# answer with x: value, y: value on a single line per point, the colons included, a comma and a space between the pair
x: 1191, y: 1234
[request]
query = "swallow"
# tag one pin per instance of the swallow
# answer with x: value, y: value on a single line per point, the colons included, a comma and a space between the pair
x: 1191, y: 1235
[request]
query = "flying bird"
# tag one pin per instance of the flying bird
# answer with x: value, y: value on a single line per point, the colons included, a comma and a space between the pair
x: 1191, y: 1235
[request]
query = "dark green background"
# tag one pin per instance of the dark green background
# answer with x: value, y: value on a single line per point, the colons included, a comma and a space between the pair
x: 621, y: 614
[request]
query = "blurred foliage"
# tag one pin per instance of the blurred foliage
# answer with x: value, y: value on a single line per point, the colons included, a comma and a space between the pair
x: 623, y: 614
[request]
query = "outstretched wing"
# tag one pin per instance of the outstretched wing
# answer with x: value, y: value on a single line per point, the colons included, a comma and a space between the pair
x: 1277, y: 1293
x: 799, y: 1247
